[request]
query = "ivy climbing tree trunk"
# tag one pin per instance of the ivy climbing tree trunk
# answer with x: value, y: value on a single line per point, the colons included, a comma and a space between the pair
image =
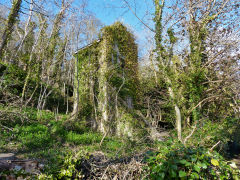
x: 103, y: 88
x: 163, y: 59
x: 13, y: 15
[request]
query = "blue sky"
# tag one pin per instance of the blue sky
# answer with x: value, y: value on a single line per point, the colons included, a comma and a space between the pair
x: 109, y: 11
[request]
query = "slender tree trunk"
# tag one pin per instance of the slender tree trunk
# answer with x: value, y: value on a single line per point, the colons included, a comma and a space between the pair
x: 26, y: 31
x: 178, y: 115
x: 10, y: 24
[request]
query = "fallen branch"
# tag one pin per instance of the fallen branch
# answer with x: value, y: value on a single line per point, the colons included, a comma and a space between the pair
x: 155, y: 135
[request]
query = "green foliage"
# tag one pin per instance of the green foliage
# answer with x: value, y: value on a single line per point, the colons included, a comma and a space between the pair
x: 86, y: 138
x: 172, y: 38
x: 104, y: 68
x: 69, y: 168
x: 189, y: 163
x: 33, y: 136
x: 118, y: 34
x: 86, y: 74
x: 49, y: 140
x: 209, y: 133
x: 158, y: 28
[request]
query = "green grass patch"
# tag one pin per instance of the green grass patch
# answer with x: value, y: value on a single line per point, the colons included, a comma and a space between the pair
x: 33, y: 136
x: 86, y: 138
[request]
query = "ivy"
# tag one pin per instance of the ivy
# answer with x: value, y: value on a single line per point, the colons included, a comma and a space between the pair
x: 189, y: 163
x: 112, y: 63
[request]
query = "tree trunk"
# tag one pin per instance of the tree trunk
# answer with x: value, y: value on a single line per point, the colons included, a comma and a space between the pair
x: 76, y: 89
x: 178, y: 115
x: 10, y: 23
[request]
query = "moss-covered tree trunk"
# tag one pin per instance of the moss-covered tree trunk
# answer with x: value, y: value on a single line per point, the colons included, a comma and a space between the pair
x: 10, y: 24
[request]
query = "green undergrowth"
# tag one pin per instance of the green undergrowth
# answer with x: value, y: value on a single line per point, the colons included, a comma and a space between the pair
x: 205, y: 155
x: 207, y: 134
x: 45, y: 137
x: 175, y: 161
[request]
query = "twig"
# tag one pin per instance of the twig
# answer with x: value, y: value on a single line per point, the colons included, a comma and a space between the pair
x: 193, y: 130
x: 214, y: 145
x: 6, y: 127
x: 103, y: 138
x: 104, y: 172
x: 129, y: 7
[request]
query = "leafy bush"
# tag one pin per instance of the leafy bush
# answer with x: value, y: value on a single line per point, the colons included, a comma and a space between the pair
x: 70, y: 168
x: 189, y: 163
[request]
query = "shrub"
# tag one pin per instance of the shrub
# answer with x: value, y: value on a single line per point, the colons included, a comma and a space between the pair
x: 190, y: 163
x: 69, y: 168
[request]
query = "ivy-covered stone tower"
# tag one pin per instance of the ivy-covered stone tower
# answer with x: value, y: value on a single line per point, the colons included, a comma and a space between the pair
x: 106, y: 81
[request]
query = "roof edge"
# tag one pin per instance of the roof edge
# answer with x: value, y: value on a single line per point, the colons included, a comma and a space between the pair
x: 87, y: 46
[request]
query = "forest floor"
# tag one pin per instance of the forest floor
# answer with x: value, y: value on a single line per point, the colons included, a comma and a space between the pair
x: 51, y: 145
x: 46, y: 139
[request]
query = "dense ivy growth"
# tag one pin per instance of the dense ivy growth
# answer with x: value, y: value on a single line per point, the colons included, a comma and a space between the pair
x: 107, y: 70
x: 190, y: 163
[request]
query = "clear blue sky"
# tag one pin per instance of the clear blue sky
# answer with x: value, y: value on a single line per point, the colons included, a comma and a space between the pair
x: 109, y: 11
